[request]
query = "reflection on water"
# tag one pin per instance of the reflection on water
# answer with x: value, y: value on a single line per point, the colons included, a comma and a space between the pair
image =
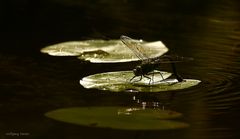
x: 208, y: 31
x: 121, y: 118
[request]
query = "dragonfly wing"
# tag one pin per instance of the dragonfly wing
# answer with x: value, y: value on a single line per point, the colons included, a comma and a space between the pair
x: 170, y: 59
x: 134, y: 46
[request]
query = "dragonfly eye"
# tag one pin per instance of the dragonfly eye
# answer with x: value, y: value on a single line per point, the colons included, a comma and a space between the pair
x: 137, y: 71
x: 138, y: 68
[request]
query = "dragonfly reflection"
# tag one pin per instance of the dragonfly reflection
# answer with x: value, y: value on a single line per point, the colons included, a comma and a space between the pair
x: 149, y: 64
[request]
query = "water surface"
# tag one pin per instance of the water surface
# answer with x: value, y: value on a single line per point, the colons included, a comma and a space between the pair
x: 33, y: 83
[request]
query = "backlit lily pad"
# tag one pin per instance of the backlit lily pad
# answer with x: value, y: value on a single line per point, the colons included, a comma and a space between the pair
x: 120, y: 81
x: 102, y: 51
x: 119, y: 118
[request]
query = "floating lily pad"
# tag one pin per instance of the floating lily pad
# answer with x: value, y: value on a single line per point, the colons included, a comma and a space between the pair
x: 120, y: 81
x: 101, y: 51
x: 119, y: 118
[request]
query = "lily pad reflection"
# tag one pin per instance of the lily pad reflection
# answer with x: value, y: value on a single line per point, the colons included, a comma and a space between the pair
x: 120, y: 81
x: 119, y: 118
x: 101, y: 51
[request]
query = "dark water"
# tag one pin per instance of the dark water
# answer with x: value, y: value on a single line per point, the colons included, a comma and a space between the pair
x: 32, y: 83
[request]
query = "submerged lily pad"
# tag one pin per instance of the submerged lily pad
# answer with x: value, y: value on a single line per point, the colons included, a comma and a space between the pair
x: 119, y: 118
x: 101, y: 51
x: 120, y: 81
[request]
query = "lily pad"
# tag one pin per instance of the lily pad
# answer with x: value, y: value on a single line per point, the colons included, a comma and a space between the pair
x: 120, y: 81
x: 102, y: 51
x: 119, y: 118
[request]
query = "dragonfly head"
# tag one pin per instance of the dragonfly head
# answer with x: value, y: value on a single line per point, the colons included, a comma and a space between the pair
x: 137, y: 71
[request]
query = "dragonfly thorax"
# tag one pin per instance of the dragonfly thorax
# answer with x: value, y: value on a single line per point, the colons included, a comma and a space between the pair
x: 144, y: 69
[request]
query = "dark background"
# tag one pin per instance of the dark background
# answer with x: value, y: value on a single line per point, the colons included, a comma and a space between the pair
x: 32, y: 83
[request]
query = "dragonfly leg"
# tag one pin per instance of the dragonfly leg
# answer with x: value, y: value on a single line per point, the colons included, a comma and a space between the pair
x: 153, y: 78
x: 161, y: 75
x: 150, y: 79
x: 135, y: 77
x: 163, y: 80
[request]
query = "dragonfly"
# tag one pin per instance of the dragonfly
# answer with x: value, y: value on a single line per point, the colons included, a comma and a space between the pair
x: 150, y: 64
